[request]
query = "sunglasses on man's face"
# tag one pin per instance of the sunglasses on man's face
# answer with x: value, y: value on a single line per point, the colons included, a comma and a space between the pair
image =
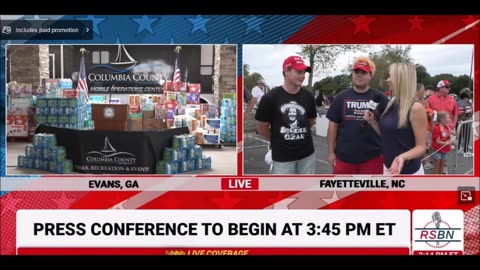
x: 448, y: 87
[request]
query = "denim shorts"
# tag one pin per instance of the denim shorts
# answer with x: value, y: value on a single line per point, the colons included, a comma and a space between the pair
x: 439, y: 155
x: 302, y: 166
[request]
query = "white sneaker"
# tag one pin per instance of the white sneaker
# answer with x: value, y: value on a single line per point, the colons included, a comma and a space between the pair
x: 467, y: 155
x: 445, y: 170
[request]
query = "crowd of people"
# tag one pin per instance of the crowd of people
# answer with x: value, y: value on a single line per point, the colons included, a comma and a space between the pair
x: 408, y: 130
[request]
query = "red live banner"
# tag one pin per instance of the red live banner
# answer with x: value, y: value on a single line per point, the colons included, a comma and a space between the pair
x: 239, y: 183
x: 214, y: 251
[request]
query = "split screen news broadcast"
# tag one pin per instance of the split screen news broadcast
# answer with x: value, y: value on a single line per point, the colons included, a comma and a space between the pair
x: 239, y: 135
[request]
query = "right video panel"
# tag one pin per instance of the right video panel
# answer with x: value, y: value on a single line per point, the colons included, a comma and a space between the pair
x: 358, y: 109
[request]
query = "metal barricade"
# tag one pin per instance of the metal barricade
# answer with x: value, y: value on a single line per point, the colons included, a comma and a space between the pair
x: 251, y: 138
x: 254, y: 147
x: 460, y: 158
x: 464, y: 150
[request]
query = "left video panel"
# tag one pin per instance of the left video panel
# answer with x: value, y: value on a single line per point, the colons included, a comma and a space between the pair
x: 121, y: 109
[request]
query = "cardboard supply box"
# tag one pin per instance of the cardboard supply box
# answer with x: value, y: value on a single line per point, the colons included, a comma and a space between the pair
x: 194, y: 88
x: 148, y: 114
x: 159, y: 124
x: 168, y: 86
x: 69, y: 93
x: 20, y: 119
x: 23, y: 90
x: 134, y: 124
x: 158, y: 98
x: 21, y: 102
x: 18, y: 111
x: 211, y: 138
x: 147, y: 123
x: 212, y: 124
x: 17, y: 130
x: 51, y: 83
x: 10, y: 119
x: 134, y: 100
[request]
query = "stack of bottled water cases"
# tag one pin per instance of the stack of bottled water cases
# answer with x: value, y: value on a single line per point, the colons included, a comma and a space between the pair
x: 62, y: 112
x: 45, y: 154
x: 89, y: 124
x: 183, y: 156
x: 228, y: 119
x: 65, y: 84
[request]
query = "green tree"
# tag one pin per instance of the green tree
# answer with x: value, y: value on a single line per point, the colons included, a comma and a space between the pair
x: 331, y: 84
x: 317, y: 86
x: 388, y: 55
x: 422, y: 75
x: 250, y: 79
x: 321, y: 57
x: 461, y: 82
x: 246, y: 69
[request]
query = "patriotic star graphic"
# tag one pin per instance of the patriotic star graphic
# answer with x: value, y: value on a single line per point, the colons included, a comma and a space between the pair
x: 63, y: 202
x: 199, y: 24
x: 10, y: 205
x: 284, y: 204
x: 416, y: 23
x: 36, y: 17
x: 362, y: 23
x: 253, y: 24
x: 469, y: 20
x: 226, y: 201
x: 333, y: 199
x: 96, y: 21
x: 144, y: 24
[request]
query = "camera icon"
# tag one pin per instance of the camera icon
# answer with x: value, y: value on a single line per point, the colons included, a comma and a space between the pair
x: 466, y: 195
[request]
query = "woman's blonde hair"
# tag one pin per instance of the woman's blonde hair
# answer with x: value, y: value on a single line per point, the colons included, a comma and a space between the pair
x: 367, y: 60
x: 403, y: 77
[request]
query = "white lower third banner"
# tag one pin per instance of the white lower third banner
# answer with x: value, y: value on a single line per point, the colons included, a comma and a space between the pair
x: 230, y: 231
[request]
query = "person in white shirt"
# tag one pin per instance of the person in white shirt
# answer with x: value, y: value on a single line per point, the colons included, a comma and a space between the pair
x: 258, y: 91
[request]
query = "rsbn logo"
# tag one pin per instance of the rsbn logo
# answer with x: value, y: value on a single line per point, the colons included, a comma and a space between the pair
x: 438, y: 233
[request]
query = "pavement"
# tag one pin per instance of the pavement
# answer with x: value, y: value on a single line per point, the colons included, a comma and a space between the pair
x: 255, y: 148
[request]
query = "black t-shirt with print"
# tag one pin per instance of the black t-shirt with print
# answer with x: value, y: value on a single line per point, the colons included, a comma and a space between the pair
x: 355, y: 143
x: 288, y: 116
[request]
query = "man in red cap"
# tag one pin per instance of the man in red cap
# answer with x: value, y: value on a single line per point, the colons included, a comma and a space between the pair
x: 353, y: 147
x: 441, y: 101
x: 285, y: 116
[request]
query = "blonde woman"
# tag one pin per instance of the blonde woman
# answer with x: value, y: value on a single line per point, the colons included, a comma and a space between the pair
x: 403, y: 124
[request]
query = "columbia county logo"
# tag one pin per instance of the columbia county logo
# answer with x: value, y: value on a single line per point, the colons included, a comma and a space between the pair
x: 110, y: 155
x: 123, y: 62
x: 109, y: 112
x: 437, y: 230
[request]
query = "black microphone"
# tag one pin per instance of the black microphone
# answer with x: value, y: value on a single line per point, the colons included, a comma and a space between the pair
x: 372, y: 106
